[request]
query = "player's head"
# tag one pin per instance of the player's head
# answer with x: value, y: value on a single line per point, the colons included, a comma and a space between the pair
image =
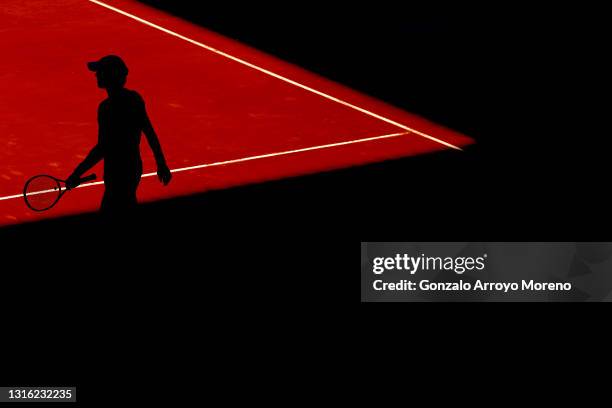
x: 111, y: 71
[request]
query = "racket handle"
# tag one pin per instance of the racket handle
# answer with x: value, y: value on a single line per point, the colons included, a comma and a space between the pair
x: 91, y: 177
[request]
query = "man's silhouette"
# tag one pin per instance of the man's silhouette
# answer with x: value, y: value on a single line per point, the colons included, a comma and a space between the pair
x: 122, y: 118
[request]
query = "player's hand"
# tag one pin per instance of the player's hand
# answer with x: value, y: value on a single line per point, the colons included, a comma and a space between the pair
x: 163, y: 173
x: 73, y: 181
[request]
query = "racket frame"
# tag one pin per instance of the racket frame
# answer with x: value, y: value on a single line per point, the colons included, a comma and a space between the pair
x: 59, y: 182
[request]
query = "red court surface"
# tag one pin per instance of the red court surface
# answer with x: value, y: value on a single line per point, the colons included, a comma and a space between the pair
x: 226, y: 114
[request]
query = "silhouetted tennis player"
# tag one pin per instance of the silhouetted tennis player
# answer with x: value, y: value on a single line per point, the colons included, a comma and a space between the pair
x: 122, y: 118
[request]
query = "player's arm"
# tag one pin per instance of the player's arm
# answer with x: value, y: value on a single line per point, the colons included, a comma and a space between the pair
x: 163, y: 172
x: 93, y: 158
x: 95, y: 155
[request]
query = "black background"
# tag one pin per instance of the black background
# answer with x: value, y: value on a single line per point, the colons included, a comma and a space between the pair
x: 529, y: 83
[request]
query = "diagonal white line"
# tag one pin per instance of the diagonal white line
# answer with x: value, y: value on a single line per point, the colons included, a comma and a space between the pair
x: 240, y: 160
x: 275, y: 75
x: 11, y: 197
x: 284, y: 153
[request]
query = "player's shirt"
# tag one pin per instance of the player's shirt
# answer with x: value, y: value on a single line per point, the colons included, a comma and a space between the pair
x: 120, y: 121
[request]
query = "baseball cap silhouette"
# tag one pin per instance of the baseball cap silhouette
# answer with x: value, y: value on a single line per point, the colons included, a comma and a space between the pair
x: 110, y: 64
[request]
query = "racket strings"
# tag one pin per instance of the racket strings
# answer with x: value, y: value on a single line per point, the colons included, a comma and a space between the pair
x: 42, y: 192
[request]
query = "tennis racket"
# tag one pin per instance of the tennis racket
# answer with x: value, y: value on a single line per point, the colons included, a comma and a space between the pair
x: 42, y: 192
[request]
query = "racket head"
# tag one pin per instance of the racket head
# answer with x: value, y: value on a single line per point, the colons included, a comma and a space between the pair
x: 42, y: 192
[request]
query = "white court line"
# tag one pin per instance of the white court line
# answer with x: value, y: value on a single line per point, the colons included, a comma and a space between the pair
x: 240, y: 160
x: 270, y: 73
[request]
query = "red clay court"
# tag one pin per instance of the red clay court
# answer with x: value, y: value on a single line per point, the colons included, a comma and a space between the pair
x: 226, y: 114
